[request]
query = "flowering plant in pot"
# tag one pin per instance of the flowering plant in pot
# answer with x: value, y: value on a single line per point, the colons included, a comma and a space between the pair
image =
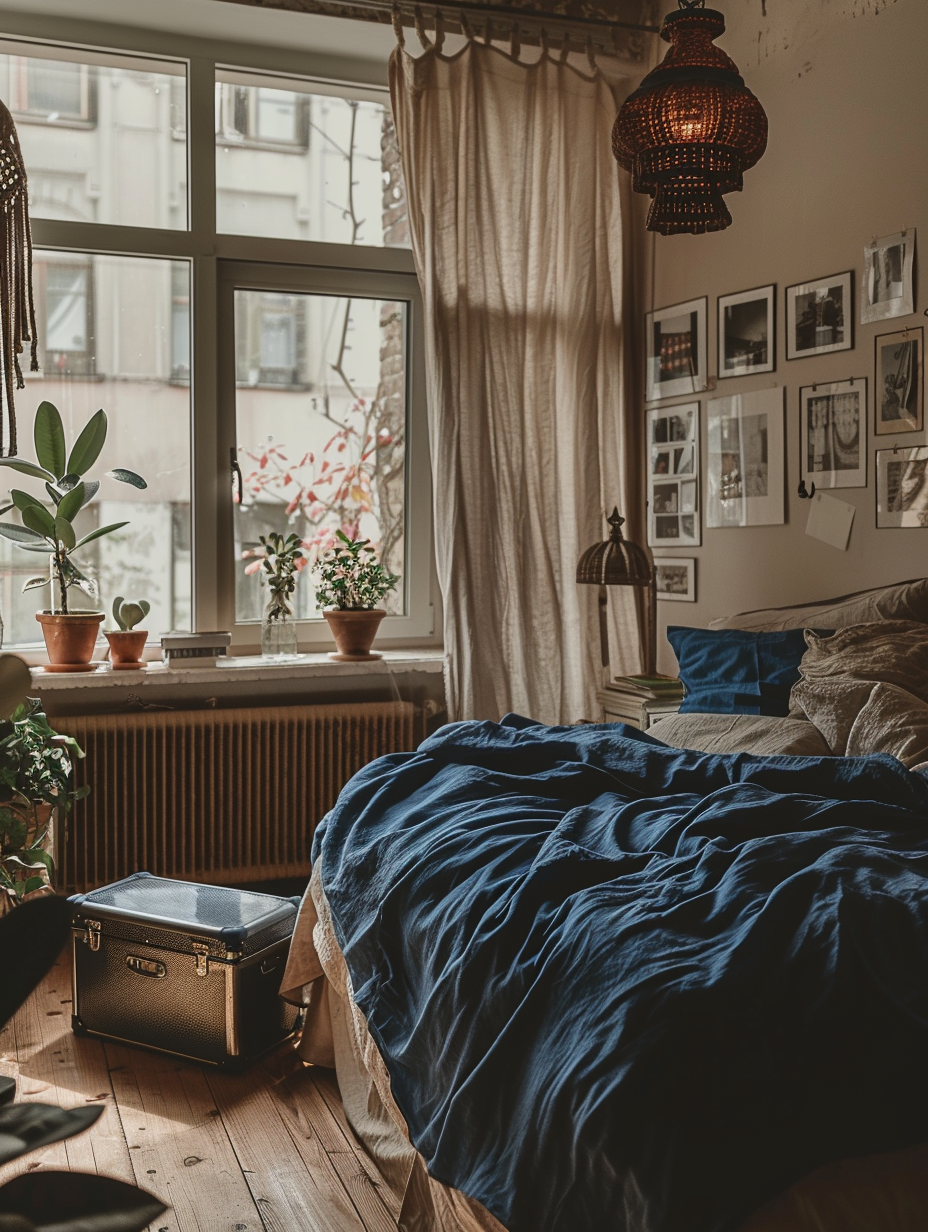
x: 280, y: 561
x: 350, y: 582
x: 126, y: 642
x: 36, y: 788
x: 47, y: 528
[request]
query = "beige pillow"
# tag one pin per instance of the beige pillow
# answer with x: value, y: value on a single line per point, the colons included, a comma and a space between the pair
x: 904, y: 601
x: 740, y: 733
x: 862, y: 677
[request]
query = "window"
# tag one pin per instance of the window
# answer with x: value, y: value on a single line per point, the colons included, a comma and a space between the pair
x: 113, y: 167
x: 331, y: 159
x: 305, y: 361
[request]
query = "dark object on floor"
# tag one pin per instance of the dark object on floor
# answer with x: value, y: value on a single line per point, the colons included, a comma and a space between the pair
x: 31, y: 938
x: 189, y: 969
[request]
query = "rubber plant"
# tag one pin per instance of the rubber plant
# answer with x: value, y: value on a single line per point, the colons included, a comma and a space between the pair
x: 31, y: 938
x: 47, y: 523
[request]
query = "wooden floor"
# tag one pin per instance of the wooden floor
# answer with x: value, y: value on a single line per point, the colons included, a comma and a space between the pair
x: 269, y: 1149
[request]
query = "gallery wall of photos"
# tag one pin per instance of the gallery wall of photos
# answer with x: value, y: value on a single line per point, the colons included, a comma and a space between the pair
x: 745, y: 475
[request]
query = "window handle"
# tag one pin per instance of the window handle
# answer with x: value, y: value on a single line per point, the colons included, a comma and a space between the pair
x: 238, y: 486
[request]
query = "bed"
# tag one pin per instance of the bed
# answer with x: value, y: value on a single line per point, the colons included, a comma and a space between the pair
x: 578, y: 978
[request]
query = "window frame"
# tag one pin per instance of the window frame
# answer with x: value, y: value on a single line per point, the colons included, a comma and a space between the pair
x: 208, y: 251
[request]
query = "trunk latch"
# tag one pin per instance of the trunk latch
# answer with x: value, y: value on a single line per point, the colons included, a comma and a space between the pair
x: 202, y: 956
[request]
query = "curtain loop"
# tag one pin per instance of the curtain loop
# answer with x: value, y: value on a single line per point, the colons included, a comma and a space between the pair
x: 465, y: 26
x: 591, y: 53
x: 488, y: 32
x: 420, y: 29
x: 543, y: 39
x: 398, y: 26
x: 515, y: 41
x: 565, y: 47
x: 439, y: 31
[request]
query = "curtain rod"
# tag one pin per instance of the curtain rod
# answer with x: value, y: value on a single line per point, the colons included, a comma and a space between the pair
x: 530, y: 19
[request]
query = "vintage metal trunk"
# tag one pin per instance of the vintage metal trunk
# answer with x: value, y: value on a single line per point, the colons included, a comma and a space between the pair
x: 185, y: 968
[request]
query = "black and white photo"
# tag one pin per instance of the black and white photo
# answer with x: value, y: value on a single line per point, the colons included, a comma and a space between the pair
x: 833, y: 434
x: 746, y: 332
x: 886, y: 287
x: 745, y: 476
x: 676, y: 353
x: 673, y: 480
x: 902, y: 487
x: 819, y: 316
x: 899, y: 389
x: 675, y: 578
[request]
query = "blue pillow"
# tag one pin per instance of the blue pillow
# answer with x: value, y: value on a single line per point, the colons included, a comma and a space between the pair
x: 734, y: 671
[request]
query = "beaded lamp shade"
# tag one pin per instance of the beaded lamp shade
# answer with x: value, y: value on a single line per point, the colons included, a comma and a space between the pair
x: 616, y: 562
x: 691, y: 129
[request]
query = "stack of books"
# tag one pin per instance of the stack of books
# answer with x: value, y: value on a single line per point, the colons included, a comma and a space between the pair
x: 194, y: 649
x: 642, y: 699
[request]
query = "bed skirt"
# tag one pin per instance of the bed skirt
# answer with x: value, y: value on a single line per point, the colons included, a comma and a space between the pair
x: 878, y: 1193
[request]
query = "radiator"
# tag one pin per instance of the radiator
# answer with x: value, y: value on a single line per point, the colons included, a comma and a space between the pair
x: 220, y: 796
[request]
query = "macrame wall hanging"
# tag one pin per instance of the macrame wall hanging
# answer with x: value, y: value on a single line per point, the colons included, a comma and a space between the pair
x: 17, y: 310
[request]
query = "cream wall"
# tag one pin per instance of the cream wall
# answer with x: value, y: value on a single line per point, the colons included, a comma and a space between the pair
x: 843, y: 84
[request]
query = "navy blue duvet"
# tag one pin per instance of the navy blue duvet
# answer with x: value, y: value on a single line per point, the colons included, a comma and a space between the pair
x: 625, y: 988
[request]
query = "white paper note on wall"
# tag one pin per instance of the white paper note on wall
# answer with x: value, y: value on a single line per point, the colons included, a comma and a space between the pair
x: 830, y: 520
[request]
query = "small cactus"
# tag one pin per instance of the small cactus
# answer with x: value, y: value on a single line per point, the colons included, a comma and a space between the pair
x: 128, y: 615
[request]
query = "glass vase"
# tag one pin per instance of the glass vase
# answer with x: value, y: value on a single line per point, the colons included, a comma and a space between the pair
x: 278, y: 633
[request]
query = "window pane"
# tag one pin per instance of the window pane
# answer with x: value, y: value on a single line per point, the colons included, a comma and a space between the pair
x: 324, y: 451
x: 103, y: 136
x: 105, y: 329
x: 332, y: 162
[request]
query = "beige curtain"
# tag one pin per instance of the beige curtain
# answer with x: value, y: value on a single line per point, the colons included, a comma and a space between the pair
x: 516, y: 220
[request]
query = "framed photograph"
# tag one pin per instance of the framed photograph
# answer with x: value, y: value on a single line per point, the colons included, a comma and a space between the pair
x: 820, y: 316
x: 675, y: 578
x: 676, y: 350
x: 833, y: 434
x: 886, y: 287
x: 746, y: 473
x: 673, y: 475
x: 898, y: 382
x: 747, y: 341
x: 902, y: 487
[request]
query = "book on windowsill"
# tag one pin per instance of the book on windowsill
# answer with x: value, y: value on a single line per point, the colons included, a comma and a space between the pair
x: 213, y: 642
x: 649, y: 688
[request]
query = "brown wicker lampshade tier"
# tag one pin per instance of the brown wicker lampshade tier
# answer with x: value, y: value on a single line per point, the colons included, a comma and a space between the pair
x: 691, y: 129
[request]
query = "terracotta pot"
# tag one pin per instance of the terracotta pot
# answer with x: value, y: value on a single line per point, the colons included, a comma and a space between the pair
x: 354, y: 632
x: 126, y: 647
x: 70, y: 639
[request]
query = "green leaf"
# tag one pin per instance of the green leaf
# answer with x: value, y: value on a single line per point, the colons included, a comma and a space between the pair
x: 49, y: 439
x: 24, y: 537
x: 145, y: 606
x: 53, y: 493
x: 71, y: 503
x: 94, y: 534
x: 77, y: 1201
x: 37, y: 518
x: 69, y: 481
x: 125, y: 476
x: 26, y: 1127
x: 91, y: 488
x: 5, y: 509
x: 35, y: 582
x: 117, y: 604
x: 64, y: 532
x: 88, y: 445
x: 22, y: 500
x: 27, y: 468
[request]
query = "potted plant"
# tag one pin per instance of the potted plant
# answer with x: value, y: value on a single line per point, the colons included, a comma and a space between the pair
x: 48, y: 528
x: 280, y: 560
x: 350, y: 582
x: 126, y: 642
x: 36, y: 790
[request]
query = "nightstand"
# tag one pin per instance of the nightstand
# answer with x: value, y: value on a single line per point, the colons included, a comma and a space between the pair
x: 635, y: 711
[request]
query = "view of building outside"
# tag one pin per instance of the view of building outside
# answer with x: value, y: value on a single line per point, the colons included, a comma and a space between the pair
x: 104, y: 139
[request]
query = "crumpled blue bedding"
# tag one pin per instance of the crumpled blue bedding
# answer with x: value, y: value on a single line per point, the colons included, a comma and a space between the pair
x: 619, y: 986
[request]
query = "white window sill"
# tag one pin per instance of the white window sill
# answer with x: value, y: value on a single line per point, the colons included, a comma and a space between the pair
x: 252, y: 669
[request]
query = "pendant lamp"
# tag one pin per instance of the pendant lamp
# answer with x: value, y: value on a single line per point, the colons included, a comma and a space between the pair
x: 691, y: 128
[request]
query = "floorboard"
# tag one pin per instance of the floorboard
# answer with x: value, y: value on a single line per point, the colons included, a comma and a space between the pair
x: 267, y: 1150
